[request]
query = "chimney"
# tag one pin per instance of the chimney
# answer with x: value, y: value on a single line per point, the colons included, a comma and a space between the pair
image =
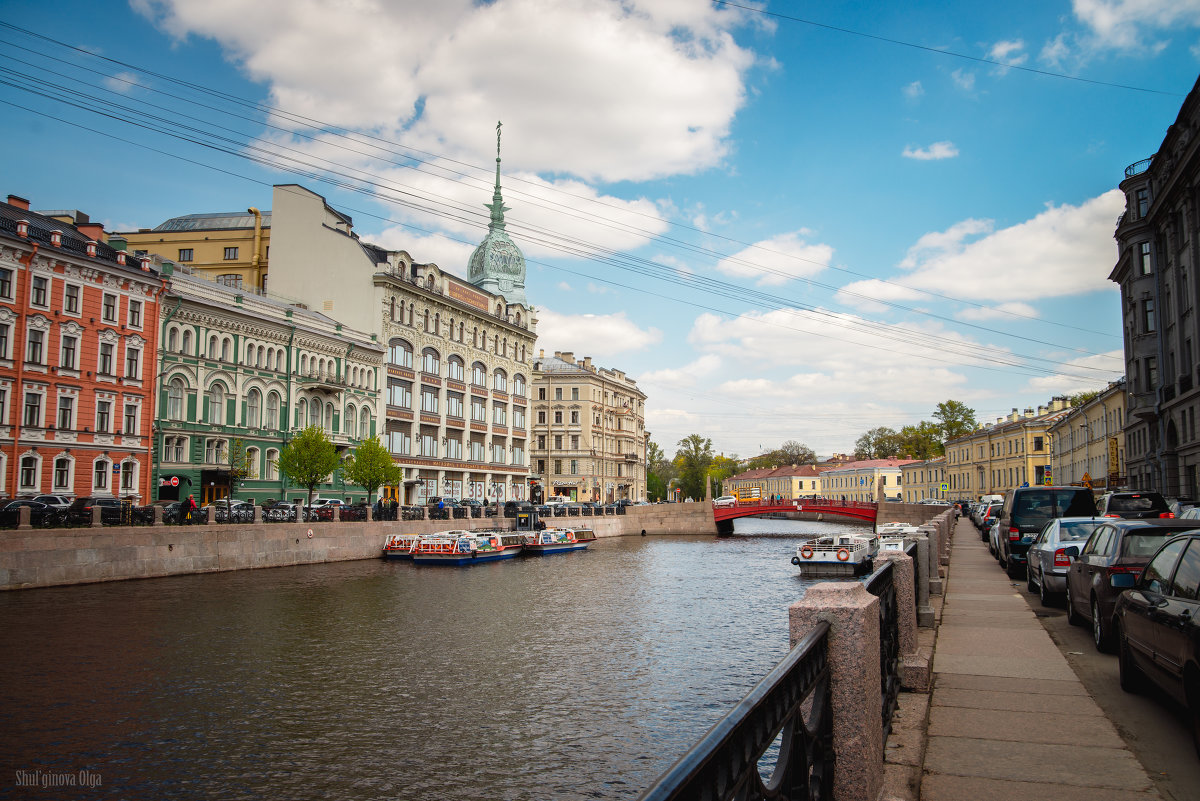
x: 1014, y: 416
x: 541, y: 353
x: 91, y: 230
x: 1042, y: 410
x: 587, y: 362
x: 1028, y: 411
x: 567, y: 356
x: 19, y: 202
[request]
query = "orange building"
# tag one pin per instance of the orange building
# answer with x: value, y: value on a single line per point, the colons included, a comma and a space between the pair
x: 78, y: 345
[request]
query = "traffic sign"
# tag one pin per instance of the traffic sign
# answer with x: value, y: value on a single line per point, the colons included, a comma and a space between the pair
x: 945, y: 487
x: 174, y: 481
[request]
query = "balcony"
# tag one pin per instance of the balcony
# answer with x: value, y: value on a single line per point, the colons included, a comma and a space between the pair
x: 1138, y: 167
x: 631, y: 458
x: 327, y: 380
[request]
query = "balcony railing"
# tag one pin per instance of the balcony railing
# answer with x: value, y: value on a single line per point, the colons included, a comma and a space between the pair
x: 1138, y: 167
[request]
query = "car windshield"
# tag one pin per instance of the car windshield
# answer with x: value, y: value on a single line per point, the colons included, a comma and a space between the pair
x: 1136, y: 503
x: 1076, y: 531
x: 1142, y: 543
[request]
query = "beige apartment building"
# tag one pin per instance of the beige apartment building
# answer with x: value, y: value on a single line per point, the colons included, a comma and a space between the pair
x: 229, y: 248
x: 1089, y: 442
x: 588, y: 432
x: 790, y: 481
x: 866, y: 480
x: 1014, y: 451
x: 921, y: 480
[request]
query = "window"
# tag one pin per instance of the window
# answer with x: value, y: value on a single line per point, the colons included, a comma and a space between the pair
x: 103, y: 417
x: 348, y: 422
x: 1143, y: 258
x: 1148, y: 315
x: 66, y: 412
x: 128, y: 473
x: 454, y: 449
x: 135, y: 313
x: 6, y: 284
x: 574, y: 418
x: 429, y: 401
x: 500, y: 415
x: 478, y: 375
x: 558, y: 393
x: 254, y: 409
x: 400, y: 394
x: 231, y: 254
x: 106, y: 358
x: 132, y: 357
x: 185, y: 254
x: 428, y: 445
x: 454, y: 405
x: 558, y: 442
x: 1158, y: 572
x: 575, y: 442
x: 214, y: 451
x: 175, y: 399
x: 518, y: 454
x: 574, y: 467
x: 519, y: 386
x: 62, y: 473
x: 498, y: 453
x: 4, y: 329
x: 478, y: 410
x: 33, y: 353
x: 558, y: 418
x: 575, y: 393
x: 400, y: 353
x: 1038, y: 443
x: 541, y: 442
x: 430, y: 363
x: 29, y: 471
x: 109, y: 308
x: 399, y: 442
x: 1142, y: 199
x: 455, y: 368
x: 1187, y: 576
x: 33, y: 408
x: 67, y: 356
x: 500, y: 381
x: 216, y: 404
x: 231, y: 280
x: 175, y: 449
x: 541, y: 393
x: 100, y: 475
x: 364, y: 424
x: 272, y: 410
x: 272, y: 464
x: 518, y: 417
x: 39, y: 294
x: 1151, y: 373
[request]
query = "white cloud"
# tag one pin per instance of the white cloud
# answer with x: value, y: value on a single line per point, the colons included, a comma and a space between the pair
x: 1087, y: 373
x: 779, y: 259
x: 123, y: 82
x: 1008, y: 53
x: 913, y: 90
x: 963, y: 80
x: 600, y: 336
x: 638, y: 89
x: 935, y: 152
x: 425, y: 248
x: 1005, y: 311
x: 1125, y: 24
x: 688, y: 375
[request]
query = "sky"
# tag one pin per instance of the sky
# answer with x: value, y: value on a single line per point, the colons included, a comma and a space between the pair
x: 786, y: 221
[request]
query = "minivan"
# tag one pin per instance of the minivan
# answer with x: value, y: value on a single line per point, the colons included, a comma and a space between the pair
x: 1027, y: 510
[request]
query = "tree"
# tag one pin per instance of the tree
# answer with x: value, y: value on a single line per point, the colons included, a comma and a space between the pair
x: 308, y: 459
x: 722, y: 467
x: 692, y: 459
x: 922, y: 441
x: 1080, y: 398
x: 878, y: 443
x: 797, y: 453
x: 371, y: 467
x: 239, y: 469
x: 955, y: 419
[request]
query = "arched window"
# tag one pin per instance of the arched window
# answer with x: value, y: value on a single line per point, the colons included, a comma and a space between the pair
x: 314, y: 413
x: 272, y: 464
x: 272, y: 410
x: 172, y: 340
x: 329, y: 417
x: 500, y: 381
x: 258, y: 358
x: 364, y: 424
x: 212, y: 346
x: 427, y: 321
x: 224, y: 350
x: 304, y: 364
x: 100, y: 471
x: 186, y: 347
x: 216, y: 404
x: 175, y: 399
x: 455, y: 368
x: 254, y: 409
x: 392, y: 309
x: 478, y: 374
x: 301, y: 413
x: 400, y: 353
x: 437, y: 324
x: 519, y: 385
x: 29, y: 472
x: 350, y: 420
x: 62, y: 473
x: 430, y: 362
x: 411, y: 311
x: 249, y: 354
x: 252, y: 462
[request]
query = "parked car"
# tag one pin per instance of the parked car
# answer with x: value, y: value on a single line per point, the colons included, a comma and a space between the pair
x: 79, y: 513
x: 1026, y: 512
x: 725, y: 500
x: 1050, y: 555
x: 55, y: 501
x: 40, y: 514
x: 512, y: 507
x: 1180, y: 505
x: 1110, y: 562
x: 1190, y: 514
x: 282, y: 512
x: 987, y: 517
x: 1157, y: 626
x: 1134, y: 505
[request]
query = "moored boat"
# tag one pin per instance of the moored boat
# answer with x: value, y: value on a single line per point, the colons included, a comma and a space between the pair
x: 461, y: 547
x: 837, y: 555
x: 556, y: 540
x: 400, y: 546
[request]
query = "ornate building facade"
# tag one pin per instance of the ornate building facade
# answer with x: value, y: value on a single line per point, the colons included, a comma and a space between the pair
x: 589, y: 431
x: 1016, y: 450
x: 1160, y: 300
x: 237, y: 368
x: 78, y: 336
x: 1089, y: 442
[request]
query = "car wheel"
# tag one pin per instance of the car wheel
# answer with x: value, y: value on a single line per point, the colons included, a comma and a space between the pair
x: 1100, y: 632
x: 1029, y: 585
x: 1014, y: 569
x: 1132, y: 679
x: 1073, y: 617
x: 1046, y: 598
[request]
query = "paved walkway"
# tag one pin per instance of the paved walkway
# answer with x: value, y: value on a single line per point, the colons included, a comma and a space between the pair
x: 1008, y: 719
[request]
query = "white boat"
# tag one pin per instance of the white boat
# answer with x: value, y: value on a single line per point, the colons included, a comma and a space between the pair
x: 837, y: 555
x: 897, y: 528
x: 400, y: 546
x: 557, y: 540
x: 461, y: 547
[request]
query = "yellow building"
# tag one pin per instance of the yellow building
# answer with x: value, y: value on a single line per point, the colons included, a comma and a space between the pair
x: 230, y: 249
x: 1089, y: 442
x: 867, y: 480
x: 790, y: 481
x: 1013, y: 452
x: 921, y: 480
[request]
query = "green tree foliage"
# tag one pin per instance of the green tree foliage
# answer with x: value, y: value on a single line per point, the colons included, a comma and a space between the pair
x: 789, y: 453
x: 238, y: 463
x: 878, y: 443
x: 1080, y: 398
x: 659, y: 471
x: 954, y: 418
x: 371, y: 467
x: 656, y: 489
x: 308, y: 459
x: 922, y: 441
x: 722, y: 467
x: 692, y: 460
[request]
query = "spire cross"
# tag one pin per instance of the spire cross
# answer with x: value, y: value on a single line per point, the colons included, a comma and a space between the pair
x: 497, y: 140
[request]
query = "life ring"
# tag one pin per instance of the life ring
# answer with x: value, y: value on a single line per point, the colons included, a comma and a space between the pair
x: 807, y: 552
x: 843, y: 554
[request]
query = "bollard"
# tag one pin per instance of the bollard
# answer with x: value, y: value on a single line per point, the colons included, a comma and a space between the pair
x: 337, y: 513
x: 24, y: 513
x: 924, y: 608
x: 210, y: 514
x: 158, y: 514
x: 853, y: 616
x: 97, y: 521
x: 370, y: 514
x: 257, y: 514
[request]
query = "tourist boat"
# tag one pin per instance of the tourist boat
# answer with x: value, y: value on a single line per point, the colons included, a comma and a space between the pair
x: 896, y: 528
x: 400, y: 546
x: 461, y: 547
x: 557, y: 540
x: 837, y: 555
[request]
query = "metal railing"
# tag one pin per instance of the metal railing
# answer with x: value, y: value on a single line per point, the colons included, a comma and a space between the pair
x: 882, y: 585
x: 794, y: 703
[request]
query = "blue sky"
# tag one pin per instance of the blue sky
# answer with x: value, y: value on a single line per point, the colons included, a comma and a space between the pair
x: 785, y: 220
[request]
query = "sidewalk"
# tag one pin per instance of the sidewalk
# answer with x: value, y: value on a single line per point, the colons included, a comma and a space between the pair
x: 1008, y: 718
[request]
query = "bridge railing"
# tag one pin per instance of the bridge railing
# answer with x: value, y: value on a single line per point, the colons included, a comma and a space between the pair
x: 882, y: 585
x: 793, y: 703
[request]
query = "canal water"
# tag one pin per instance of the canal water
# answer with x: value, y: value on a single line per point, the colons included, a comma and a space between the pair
x: 573, y: 676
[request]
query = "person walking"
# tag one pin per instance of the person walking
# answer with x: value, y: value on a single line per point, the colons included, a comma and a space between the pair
x: 189, y: 509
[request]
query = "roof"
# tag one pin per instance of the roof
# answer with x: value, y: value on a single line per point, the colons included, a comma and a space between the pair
x: 214, y: 222
x: 870, y: 464
x: 74, y: 242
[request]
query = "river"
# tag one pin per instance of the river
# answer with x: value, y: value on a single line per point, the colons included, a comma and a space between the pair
x: 573, y: 676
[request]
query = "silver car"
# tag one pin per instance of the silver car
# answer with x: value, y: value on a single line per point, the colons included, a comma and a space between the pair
x: 1051, y: 553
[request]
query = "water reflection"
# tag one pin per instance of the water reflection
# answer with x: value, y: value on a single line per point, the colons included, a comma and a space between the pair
x: 581, y: 675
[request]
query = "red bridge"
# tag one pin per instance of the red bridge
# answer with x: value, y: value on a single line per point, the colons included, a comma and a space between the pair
x: 859, y: 510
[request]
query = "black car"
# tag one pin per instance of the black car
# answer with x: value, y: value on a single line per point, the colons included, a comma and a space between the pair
x: 1157, y: 626
x: 1134, y: 505
x: 1027, y: 510
x: 79, y: 513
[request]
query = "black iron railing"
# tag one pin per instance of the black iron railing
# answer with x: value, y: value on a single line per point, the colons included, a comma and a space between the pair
x: 883, y: 586
x: 794, y: 703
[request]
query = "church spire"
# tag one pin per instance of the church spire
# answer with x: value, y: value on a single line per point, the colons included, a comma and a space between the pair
x: 497, y: 206
x: 497, y: 265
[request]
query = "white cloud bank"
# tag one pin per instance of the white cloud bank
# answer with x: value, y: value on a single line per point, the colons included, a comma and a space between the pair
x: 779, y: 259
x: 601, y: 336
x: 935, y: 152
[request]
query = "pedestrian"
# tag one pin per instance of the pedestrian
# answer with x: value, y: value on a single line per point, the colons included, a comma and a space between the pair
x: 189, y: 509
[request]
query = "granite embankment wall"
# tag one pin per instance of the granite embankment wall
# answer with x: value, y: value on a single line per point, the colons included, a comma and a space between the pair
x: 51, y: 557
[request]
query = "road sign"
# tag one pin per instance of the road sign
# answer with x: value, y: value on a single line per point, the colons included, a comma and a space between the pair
x: 945, y: 487
x: 174, y: 481
x: 1087, y: 480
